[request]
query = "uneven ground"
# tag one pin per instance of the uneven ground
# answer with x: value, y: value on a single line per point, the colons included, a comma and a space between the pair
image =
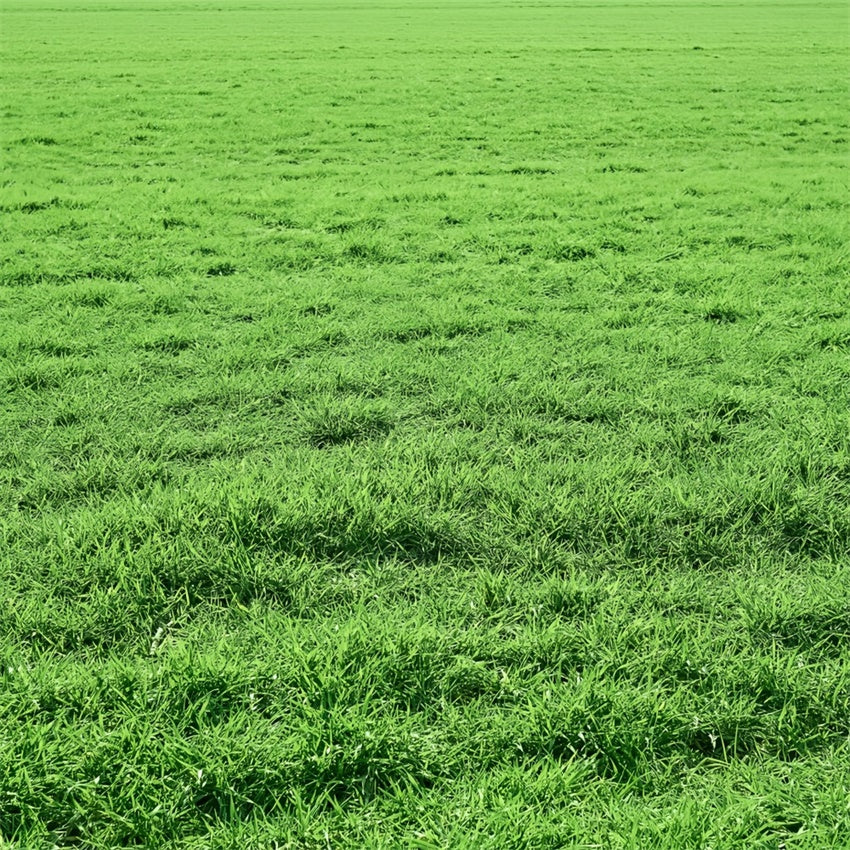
x: 424, y: 425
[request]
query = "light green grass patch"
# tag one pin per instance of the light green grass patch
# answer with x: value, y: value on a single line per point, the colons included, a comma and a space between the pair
x: 424, y: 425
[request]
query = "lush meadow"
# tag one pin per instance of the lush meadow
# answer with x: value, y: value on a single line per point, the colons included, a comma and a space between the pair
x: 424, y: 425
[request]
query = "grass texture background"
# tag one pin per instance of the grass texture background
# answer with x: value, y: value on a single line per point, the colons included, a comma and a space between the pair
x: 424, y: 425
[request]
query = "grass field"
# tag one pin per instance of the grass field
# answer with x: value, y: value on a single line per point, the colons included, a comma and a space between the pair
x: 424, y: 425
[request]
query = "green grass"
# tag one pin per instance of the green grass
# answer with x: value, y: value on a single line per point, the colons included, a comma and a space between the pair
x: 424, y: 425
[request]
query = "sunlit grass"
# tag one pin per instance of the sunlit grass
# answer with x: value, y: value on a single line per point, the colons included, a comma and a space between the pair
x: 424, y: 426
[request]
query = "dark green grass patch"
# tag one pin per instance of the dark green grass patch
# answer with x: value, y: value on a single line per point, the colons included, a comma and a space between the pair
x: 342, y: 421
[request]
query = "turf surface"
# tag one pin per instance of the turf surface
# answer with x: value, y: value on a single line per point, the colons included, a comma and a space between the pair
x: 424, y: 425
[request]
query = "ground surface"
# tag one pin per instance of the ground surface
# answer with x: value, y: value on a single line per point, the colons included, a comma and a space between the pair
x: 424, y: 425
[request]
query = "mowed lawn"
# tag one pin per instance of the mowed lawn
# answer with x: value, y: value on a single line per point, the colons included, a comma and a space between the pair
x: 424, y: 424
